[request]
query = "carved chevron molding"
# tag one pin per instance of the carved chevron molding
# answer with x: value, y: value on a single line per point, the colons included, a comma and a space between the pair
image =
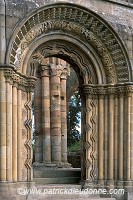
x: 82, y: 24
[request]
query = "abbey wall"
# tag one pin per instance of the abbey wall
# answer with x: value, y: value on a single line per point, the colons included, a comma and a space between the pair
x: 39, y: 40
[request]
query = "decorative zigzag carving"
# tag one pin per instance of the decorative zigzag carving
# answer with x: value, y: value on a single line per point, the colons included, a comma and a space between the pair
x: 28, y: 124
x: 28, y: 163
x: 28, y: 144
x: 28, y: 105
x: 91, y: 141
x: 84, y: 25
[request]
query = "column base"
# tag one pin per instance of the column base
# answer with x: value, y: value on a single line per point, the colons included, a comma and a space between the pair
x: 52, y: 165
x: 120, y: 184
x: 89, y: 184
x: 100, y: 183
x: 128, y: 186
x: 110, y: 184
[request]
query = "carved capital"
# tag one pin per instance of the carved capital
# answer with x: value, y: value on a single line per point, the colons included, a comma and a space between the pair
x: 18, y: 80
x: 56, y: 70
x: 44, y: 70
x: 106, y: 90
x: 65, y: 72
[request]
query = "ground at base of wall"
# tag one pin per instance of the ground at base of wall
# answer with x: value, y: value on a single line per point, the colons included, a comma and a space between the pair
x: 52, y: 192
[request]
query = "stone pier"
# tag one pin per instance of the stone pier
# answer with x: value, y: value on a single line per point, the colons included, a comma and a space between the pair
x: 53, y: 113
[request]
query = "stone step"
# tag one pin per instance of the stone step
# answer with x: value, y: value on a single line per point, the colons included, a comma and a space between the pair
x: 59, y: 180
x: 51, y: 173
x: 57, y: 176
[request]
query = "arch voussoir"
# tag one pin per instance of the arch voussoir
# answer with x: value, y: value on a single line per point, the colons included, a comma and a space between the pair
x: 84, y: 25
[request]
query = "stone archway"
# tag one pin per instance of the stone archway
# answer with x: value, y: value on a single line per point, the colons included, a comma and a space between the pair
x: 92, y: 47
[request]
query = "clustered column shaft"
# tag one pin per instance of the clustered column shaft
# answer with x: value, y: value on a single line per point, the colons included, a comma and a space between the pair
x: 38, y: 122
x: 14, y: 133
x: 14, y: 166
x: 100, y: 139
x: 46, y: 114
x: 53, y: 75
x: 114, y: 136
x: 63, y: 120
x: 19, y: 135
x: 9, y: 130
x: 3, y: 163
x: 55, y: 116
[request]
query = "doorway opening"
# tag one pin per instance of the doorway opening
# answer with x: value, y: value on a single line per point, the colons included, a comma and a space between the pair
x: 73, y: 120
x: 57, y: 117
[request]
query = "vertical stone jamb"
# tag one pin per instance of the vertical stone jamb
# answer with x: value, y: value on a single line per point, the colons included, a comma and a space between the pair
x: 46, y: 113
x: 131, y: 142
x: 83, y: 134
x: 19, y: 135
x: 101, y: 140
x: 106, y: 137
x: 88, y: 142
x: 111, y: 139
x: 128, y: 143
x: 9, y: 129
x: 3, y: 163
x: 38, y: 121
x: 116, y: 123
x: 120, y: 139
x: 29, y: 136
x: 14, y: 132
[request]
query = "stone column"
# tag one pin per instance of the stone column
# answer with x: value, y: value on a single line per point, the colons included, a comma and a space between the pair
x: 116, y: 135
x: 120, y: 139
x: 64, y: 75
x: 128, y: 139
x: 128, y: 181
x: 3, y: 163
x: 38, y: 121
x: 55, y: 111
x: 14, y: 132
x: 106, y: 137
x: 111, y: 140
x: 19, y: 135
x: 9, y: 130
x: 100, y: 140
x: 46, y: 114
x: 131, y: 154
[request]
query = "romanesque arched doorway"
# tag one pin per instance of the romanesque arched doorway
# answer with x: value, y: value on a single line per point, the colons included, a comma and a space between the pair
x: 86, y: 41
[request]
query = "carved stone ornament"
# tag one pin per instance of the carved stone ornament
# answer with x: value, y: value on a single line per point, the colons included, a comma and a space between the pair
x: 26, y: 83
x: 66, y: 49
x: 82, y: 24
x: 108, y: 90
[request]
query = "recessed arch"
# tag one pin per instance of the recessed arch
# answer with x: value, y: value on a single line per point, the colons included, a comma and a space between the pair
x: 81, y: 23
x: 73, y: 52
